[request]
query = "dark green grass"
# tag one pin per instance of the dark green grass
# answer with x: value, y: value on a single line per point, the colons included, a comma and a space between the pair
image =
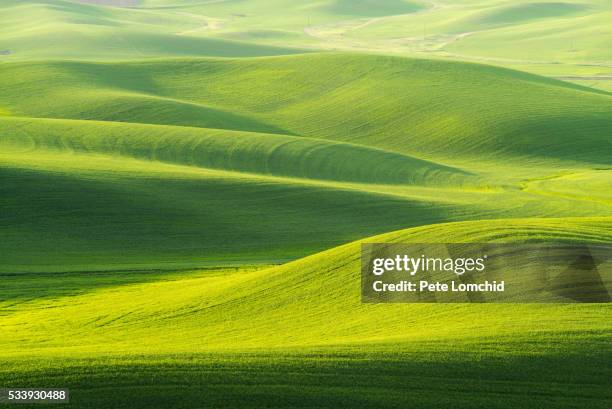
x: 17, y: 288
x: 58, y: 222
x: 344, y: 378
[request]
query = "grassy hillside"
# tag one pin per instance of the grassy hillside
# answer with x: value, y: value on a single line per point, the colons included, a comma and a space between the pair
x: 69, y: 29
x: 304, y: 311
x: 433, y: 109
x: 566, y: 39
x: 315, y: 300
x: 147, y: 196
x: 343, y: 147
x: 179, y: 180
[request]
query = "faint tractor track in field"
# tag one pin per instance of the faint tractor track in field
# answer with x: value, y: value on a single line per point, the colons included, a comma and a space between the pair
x: 333, y: 34
x: 206, y: 23
x: 547, y: 186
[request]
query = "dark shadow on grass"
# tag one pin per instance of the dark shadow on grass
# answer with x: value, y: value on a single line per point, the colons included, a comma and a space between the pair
x: 430, y: 379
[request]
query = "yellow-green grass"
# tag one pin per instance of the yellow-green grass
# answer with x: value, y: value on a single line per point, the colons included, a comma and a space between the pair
x: 116, y: 336
x: 130, y: 189
x: 314, y: 301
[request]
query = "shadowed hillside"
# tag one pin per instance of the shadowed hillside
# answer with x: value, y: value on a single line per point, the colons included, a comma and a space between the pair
x: 342, y: 147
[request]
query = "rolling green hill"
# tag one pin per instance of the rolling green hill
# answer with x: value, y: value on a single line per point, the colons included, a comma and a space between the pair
x: 422, y: 107
x: 68, y: 29
x: 566, y: 39
x: 314, y: 300
x: 179, y: 180
x: 524, y: 12
x: 294, y: 315
x: 276, y: 170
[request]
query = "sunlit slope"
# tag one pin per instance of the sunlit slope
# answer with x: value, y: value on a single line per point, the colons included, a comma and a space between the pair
x: 84, y: 195
x: 90, y: 195
x: 261, y: 153
x: 131, y: 336
x: 311, y: 302
x: 68, y: 29
x: 437, y: 110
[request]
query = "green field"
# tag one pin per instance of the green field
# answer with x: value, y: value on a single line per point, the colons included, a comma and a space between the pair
x: 299, y: 335
x: 184, y: 187
x: 558, y: 38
